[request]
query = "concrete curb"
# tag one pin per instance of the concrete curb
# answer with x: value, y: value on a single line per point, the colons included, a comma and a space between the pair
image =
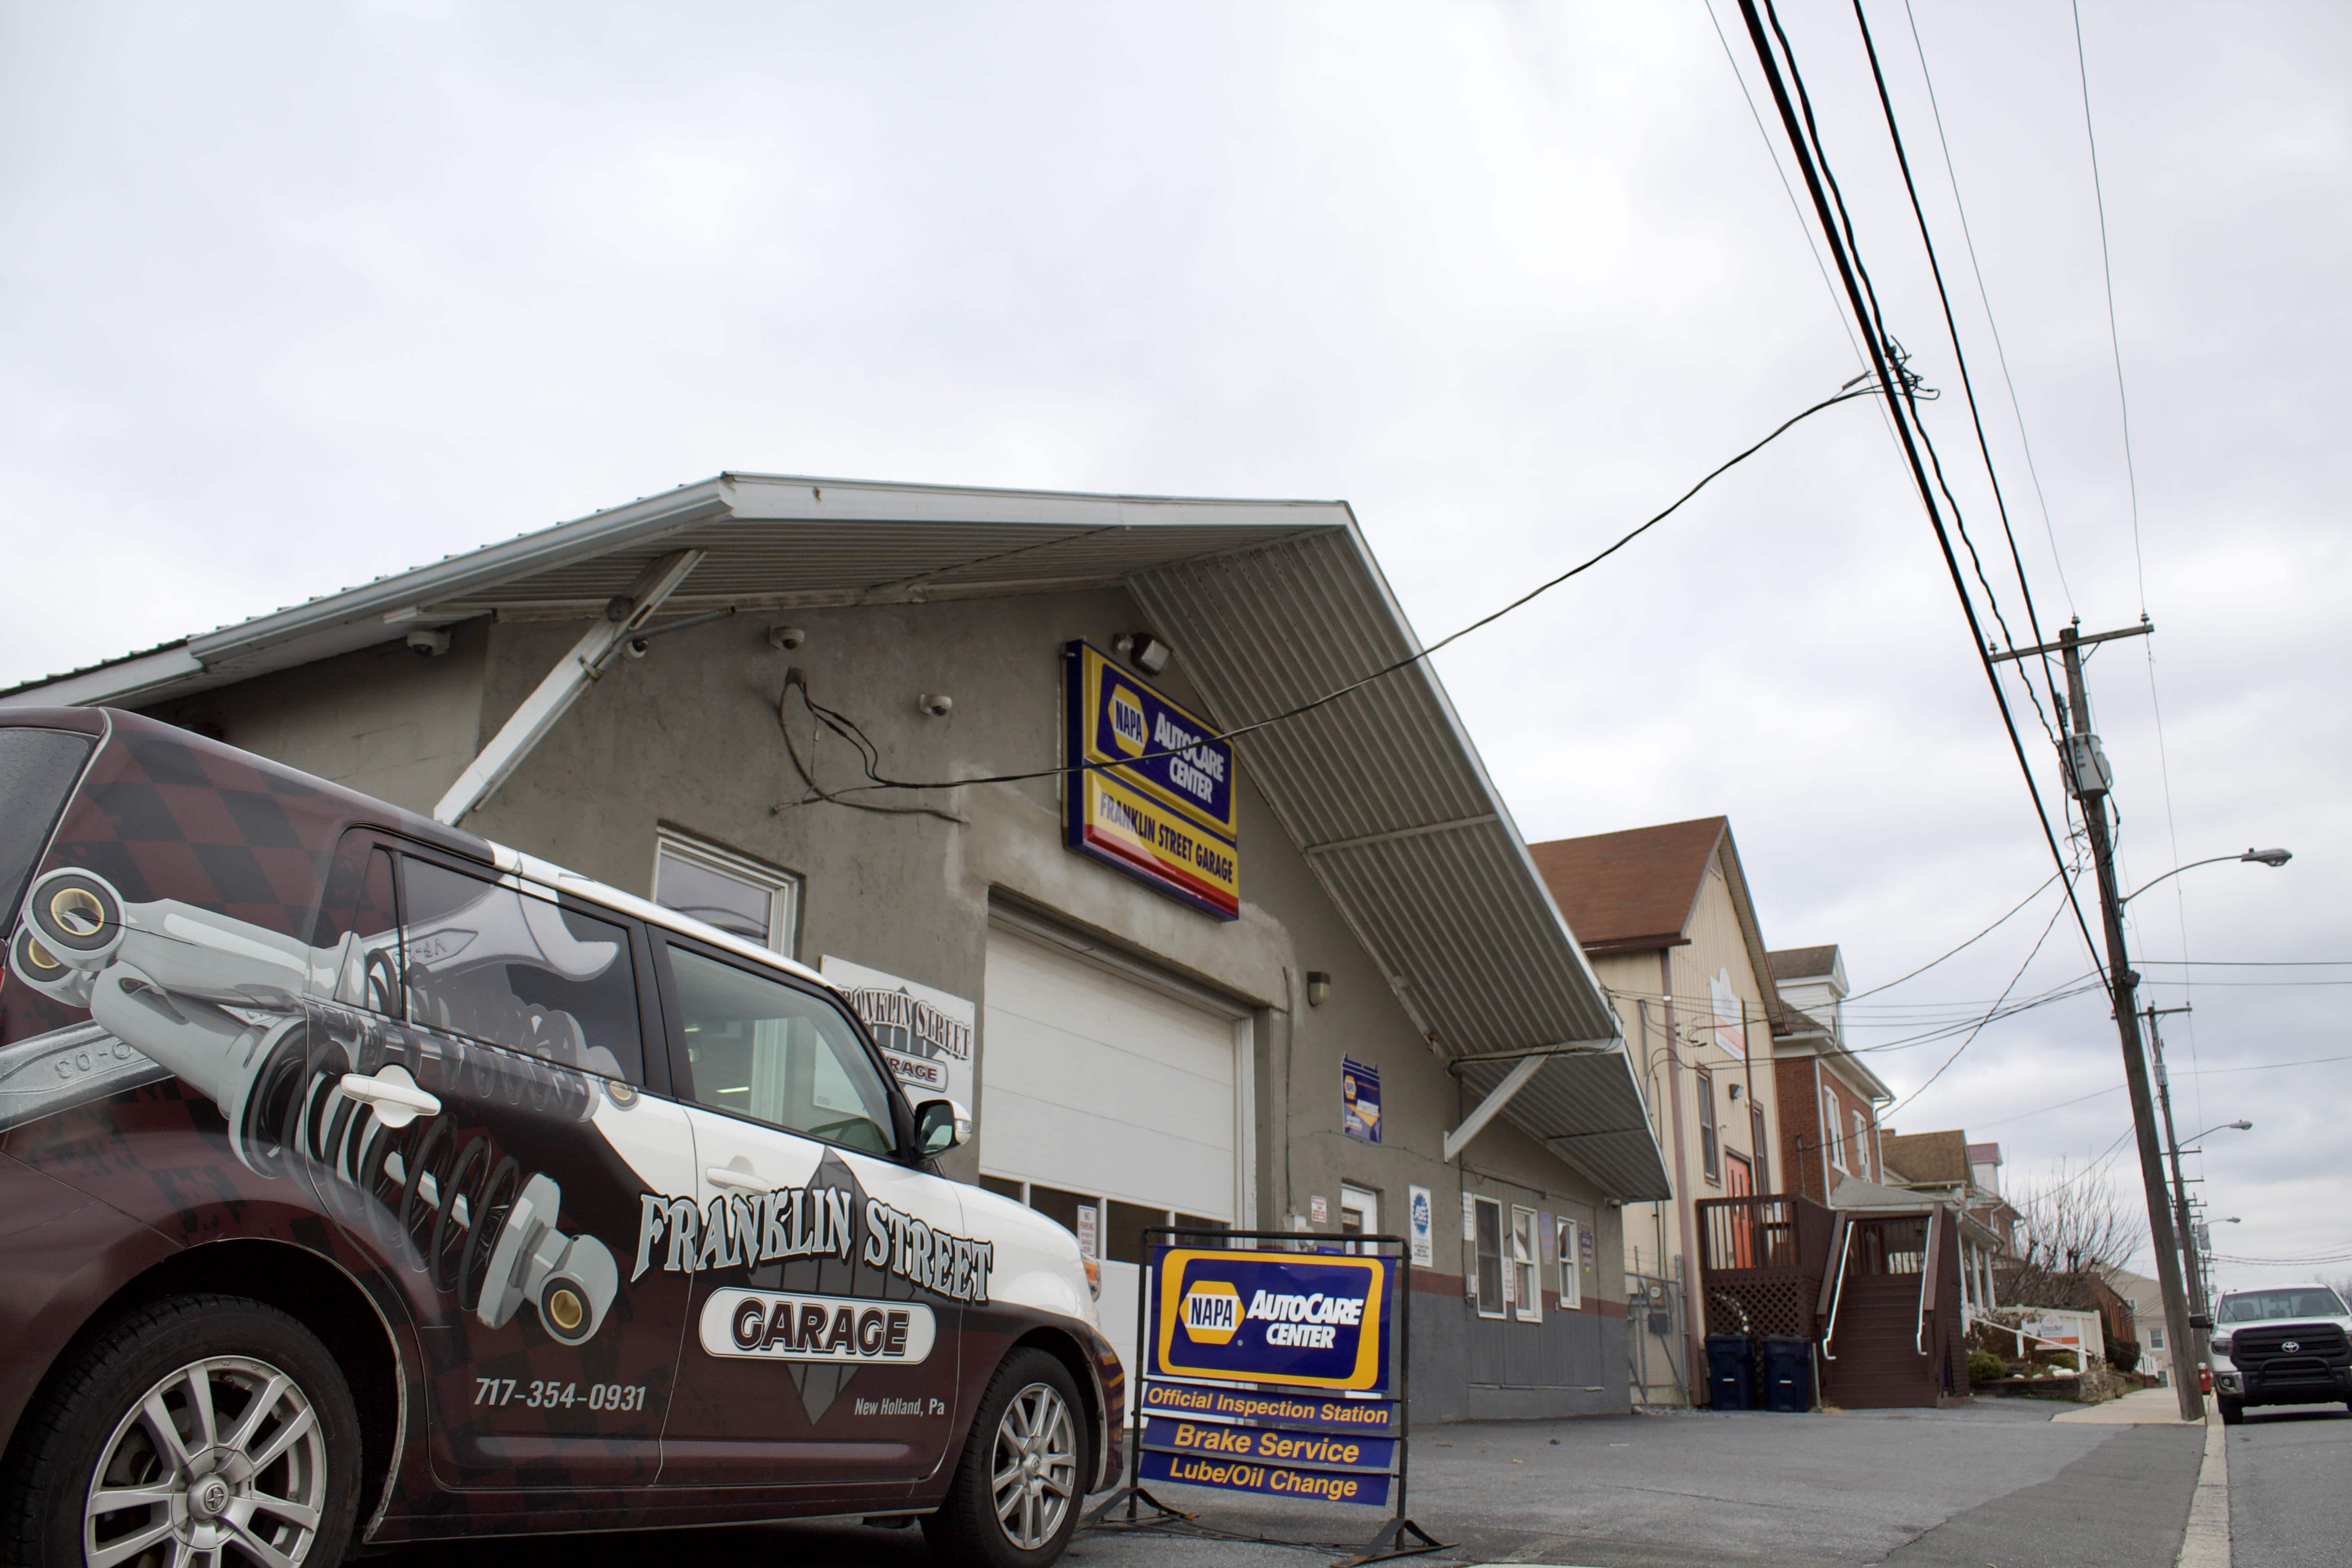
x: 2206, y: 1542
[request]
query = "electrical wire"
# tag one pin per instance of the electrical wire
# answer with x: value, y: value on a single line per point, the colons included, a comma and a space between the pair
x: 879, y: 781
x: 2118, y: 1089
x: 1984, y: 296
x: 1967, y: 388
x: 1989, y: 1016
x: 1964, y: 946
x: 1848, y: 267
x: 2108, y: 270
x: 847, y: 729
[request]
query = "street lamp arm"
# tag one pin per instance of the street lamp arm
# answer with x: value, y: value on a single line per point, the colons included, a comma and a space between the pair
x: 2271, y: 857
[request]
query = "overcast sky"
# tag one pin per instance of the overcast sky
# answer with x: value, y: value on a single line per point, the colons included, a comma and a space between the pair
x: 295, y: 295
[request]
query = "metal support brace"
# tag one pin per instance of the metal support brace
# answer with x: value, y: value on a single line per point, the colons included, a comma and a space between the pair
x: 572, y: 675
x: 1490, y: 1107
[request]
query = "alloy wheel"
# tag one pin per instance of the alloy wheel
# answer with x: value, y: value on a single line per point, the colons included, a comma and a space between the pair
x: 220, y: 1464
x: 1035, y: 1472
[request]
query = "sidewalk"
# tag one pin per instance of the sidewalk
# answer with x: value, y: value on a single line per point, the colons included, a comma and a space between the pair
x: 2141, y: 1408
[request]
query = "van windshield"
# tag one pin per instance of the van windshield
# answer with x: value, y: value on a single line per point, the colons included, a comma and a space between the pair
x: 38, y: 768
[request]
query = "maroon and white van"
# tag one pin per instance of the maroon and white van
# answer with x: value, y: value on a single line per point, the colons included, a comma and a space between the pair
x: 362, y: 1182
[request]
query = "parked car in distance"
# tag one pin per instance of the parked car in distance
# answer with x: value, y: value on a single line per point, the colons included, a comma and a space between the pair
x: 365, y: 1182
x: 2284, y: 1344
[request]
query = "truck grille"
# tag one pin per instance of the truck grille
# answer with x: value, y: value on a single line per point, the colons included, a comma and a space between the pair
x: 2298, y: 1352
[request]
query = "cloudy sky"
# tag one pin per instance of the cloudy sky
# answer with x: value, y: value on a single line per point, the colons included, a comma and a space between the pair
x: 297, y: 295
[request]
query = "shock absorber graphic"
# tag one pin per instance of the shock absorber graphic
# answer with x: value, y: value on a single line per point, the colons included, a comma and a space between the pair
x: 183, y: 985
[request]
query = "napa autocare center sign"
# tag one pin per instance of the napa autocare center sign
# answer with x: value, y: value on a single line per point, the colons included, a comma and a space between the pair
x: 1272, y: 1372
x: 1155, y: 795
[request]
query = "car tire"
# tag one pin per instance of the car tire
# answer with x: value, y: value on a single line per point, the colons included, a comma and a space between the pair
x: 1021, y: 1483
x: 281, y: 1465
x: 2232, y: 1410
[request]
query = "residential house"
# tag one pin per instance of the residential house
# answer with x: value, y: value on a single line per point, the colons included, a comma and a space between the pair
x: 1665, y: 917
x: 1829, y: 1097
x: 2146, y: 1298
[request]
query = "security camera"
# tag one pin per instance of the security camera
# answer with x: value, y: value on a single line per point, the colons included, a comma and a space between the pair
x: 786, y: 638
x: 636, y: 648
x: 937, y: 706
x: 426, y: 643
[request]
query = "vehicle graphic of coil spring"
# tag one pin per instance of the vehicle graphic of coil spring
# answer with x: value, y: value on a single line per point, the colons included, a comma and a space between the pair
x: 174, y: 980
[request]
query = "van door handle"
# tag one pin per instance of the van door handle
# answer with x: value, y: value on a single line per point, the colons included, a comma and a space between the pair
x: 731, y: 1176
x: 393, y: 1095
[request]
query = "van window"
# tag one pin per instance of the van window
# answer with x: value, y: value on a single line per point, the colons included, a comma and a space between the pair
x: 518, y: 970
x: 359, y: 925
x: 38, y: 768
x: 760, y: 1049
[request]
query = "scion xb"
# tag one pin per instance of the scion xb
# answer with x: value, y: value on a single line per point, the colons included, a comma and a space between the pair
x: 363, y: 1182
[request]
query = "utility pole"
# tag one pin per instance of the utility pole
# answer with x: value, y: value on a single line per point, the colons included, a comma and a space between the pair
x: 2088, y: 779
x: 2200, y: 1315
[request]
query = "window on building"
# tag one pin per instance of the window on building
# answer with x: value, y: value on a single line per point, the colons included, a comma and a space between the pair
x: 739, y: 896
x: 1761, y: 1147
x: 1861, y: 1144
x: 1486, y: 1245
x: 1830, y: 1128
x: 511, y: 968
x: 2155, y: 1339
x: 1526, y: 1267
x: 1359, y: 1214
x: 760, y: 1049
x: 1710, y: 1159
x: 1571, y: 1267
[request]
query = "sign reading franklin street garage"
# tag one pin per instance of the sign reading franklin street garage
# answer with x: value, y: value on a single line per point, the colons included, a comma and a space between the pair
x: 1158, y: 801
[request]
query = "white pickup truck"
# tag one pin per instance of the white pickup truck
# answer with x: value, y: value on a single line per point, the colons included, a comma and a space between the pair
x: 2286, y: 1344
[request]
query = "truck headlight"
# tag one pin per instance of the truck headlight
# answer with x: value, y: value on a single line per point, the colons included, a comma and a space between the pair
x: 2220, y: 1344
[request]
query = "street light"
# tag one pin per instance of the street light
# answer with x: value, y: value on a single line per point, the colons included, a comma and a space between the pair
x: 2224, y: 1127
x: 2274, y: 858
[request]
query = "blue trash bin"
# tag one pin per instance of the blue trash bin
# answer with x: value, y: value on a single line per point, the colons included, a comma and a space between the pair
x: 1787, y: 1366
x: 1731, y: 1372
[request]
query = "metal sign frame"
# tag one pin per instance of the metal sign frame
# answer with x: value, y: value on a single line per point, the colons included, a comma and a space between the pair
x: 1399, y: 1536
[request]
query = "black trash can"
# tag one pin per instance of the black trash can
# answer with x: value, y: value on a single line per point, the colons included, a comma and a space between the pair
x: 1788, y: 1363
x: 1731, y: 1372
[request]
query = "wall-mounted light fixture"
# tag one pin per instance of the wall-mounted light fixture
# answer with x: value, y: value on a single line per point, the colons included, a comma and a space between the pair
x: 1147, y: 652
x: 1319, y: 988
x: 1735, y: 1090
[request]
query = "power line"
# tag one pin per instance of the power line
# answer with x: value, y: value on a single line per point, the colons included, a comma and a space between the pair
x: 2000, y: 352
x: 1848, y: 268
x: 879, y: 781
x: 2118, y: 1089
x: 1963, y: 947
x: 2108, y: 270
x: 1989, y: 1017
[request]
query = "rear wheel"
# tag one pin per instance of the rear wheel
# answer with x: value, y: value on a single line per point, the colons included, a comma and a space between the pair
x: 208, y: 1429
x: 1015, y: 1498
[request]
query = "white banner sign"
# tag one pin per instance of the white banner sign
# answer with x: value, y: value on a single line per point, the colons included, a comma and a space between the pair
x: 925, y: 1034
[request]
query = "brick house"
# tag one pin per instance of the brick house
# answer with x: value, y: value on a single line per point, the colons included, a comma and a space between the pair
x: 1827, y: 1096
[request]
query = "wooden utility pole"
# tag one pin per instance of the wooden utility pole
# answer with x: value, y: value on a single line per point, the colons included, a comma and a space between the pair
x: 2200, y: 1314
x: 2088, y: 780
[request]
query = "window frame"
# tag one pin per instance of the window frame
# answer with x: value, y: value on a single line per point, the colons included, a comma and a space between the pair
x: 1710, y: 1137
x: 1832, y: 1139
x: 681, y: 1072
x: 653, y: 1054
x: 783, y: 887
x: 1566, y: 1235
x: 1860, y: 1125
x: 1501, y: 1307
x: 1356, y: 1189
x: 1528, y: 1274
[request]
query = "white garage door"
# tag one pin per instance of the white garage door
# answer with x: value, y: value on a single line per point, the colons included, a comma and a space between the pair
x: 1100, y: 1092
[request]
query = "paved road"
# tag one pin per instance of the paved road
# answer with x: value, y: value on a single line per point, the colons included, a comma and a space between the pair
x: 2290, y: 1488
x: 1993, y: 1483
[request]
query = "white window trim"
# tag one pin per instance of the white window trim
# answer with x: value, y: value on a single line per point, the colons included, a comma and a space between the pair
x: 1571, y: 1266
x: 1861, y: 1144
x: 783, y: 887
x: 1528, y: 1307
x: 1836, y: 1139
x: 1501, y: 1309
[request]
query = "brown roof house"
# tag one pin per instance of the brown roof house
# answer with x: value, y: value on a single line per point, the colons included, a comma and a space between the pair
x: 1665, y: 917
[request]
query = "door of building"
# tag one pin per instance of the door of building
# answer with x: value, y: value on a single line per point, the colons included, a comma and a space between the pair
x: 1102, y: 1090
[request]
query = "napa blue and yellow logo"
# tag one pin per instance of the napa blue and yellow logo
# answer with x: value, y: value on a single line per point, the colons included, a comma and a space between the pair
x: 1131, y: 731
x: 1273, y: 1318
x: 1154, y: 793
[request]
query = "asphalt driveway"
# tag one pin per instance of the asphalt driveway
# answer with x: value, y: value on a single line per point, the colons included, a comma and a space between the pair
x: 1991, y: 1483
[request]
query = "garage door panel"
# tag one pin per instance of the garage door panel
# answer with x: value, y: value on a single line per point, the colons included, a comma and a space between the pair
x: 1067, y: 994
x: 1041, y: 1141
x: 1070, y: 1070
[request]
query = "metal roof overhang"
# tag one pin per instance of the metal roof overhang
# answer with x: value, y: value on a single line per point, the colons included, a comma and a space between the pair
x: 1271, y: 603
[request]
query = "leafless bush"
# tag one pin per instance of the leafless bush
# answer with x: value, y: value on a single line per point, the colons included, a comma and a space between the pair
x: 2076, y: 1223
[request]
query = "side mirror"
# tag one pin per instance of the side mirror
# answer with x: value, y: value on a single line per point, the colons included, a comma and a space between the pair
x: 940, y: 1125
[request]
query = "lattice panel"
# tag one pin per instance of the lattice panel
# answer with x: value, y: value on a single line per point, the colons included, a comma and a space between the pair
x: 1762, y: 1307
